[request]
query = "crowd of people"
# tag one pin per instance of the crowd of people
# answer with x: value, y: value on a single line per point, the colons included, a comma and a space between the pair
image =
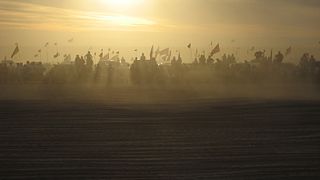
x: 143, y: 71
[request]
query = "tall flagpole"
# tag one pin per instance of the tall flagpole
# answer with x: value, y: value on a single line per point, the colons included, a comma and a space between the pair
x: 47, y: 54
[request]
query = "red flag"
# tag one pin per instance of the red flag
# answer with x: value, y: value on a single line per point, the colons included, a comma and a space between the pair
x: 215, y: 50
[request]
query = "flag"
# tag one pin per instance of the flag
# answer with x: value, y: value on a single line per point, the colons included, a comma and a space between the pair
x: 157, y: 52
x: 105, y: 58
x: 189, y: 45
x: 56, y: 55
x: 47, y: 44
x: 169, y: 56
x: 135, y: 50
x: 101, y: 55
x: 215, y: 50
x: 164, y: 52
x: 70, y: 40
x: 15, y: 52
x: 115, y: 58
x: 288, y: 51
x: 151, y: 52
x: 39, y: 51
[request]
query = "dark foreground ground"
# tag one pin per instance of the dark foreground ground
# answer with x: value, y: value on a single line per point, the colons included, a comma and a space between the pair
x: 221, y: 139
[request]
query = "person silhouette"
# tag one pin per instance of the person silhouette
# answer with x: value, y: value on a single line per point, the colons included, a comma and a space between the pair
x: 143, y: 57
x: 202, y: 60
x: 279, y: 57
x: 89, y: 60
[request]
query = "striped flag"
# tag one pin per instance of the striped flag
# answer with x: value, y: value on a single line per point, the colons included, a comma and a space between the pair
x: 164, y: 52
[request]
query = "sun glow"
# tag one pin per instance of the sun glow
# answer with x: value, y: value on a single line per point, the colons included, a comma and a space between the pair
x: 121, y: 5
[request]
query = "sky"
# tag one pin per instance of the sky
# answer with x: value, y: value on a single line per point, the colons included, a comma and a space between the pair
x: 162, y: 22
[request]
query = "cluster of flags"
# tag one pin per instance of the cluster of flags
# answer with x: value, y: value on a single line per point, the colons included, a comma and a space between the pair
x: 17, y: 49
x: 106, y: 57
x: 214, y: 51
x: 164, y: 54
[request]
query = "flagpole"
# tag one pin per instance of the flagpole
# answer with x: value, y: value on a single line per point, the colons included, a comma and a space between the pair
x: 47, y: 54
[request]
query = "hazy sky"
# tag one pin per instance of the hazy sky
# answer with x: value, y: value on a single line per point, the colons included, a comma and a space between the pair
x: 164, y: 22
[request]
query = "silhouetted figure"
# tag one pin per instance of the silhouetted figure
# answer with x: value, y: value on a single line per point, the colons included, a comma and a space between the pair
x: 143, y: 57
x: 210, y: 60
x: 123, y: 61
x: 179, y: 61
x: 89, y: 60
x: 312, y: 60
x: 202, y: 60
x: 79, y: 62
x: 278, y: 58
x: 304, y: 60
x: 173, y: 61
x: 224, y: 57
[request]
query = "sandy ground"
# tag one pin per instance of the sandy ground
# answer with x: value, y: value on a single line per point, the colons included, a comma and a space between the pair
x: 159, y: 137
